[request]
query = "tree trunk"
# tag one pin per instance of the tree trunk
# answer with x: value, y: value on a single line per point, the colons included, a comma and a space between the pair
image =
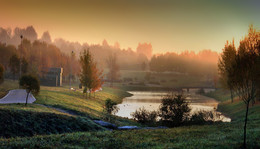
x: 27, y: 97
x: 231, y: 95
x: 247, y: 107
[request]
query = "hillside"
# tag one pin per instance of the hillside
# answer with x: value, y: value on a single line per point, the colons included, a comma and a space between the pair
x: 57, y: 110
x: 221, y: 135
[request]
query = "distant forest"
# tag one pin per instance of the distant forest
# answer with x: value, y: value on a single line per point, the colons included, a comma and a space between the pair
x: 44, y: 52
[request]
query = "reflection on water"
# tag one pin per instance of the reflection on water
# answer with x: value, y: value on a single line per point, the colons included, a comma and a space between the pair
x: 152, y: 100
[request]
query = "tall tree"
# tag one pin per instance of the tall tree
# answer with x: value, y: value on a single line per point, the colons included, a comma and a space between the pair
x: 1, y: 73
x: 225, y: 66
x: 113, y: 73
x: 244, y: 71
x: 97, y: 76
x: 90, y: 76
x: 24, y: 66
x: 14, y: 64
x: 31, y: 84
x: 85, y: 74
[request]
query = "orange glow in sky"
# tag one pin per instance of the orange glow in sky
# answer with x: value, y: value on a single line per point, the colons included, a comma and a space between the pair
x: 167, y: 25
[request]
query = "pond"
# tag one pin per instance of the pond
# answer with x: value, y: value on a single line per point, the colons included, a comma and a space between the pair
x: 152, y: 100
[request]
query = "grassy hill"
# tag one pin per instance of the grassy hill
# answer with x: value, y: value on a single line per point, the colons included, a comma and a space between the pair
x: 221, y: 135
x: 42, y: 117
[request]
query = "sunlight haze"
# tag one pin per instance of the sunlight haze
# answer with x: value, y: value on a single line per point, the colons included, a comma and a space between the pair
x: 167, y: 25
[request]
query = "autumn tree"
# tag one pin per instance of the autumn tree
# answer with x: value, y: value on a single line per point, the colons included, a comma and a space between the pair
x: 113, y: 73
x: 6, y: 51
x: 90, y: 76
x: 225, y: 67
x: 1, y: 73
x: 97, y: 76
x: 31, y: 84
x: 14, y: 64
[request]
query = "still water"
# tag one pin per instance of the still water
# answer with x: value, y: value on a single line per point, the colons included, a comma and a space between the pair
x: 152, y: 100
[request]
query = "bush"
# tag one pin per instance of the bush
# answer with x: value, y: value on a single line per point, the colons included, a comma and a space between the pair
x: 202, y: 117
x: 144, y: 116
x: 174, y: 110
x: 109, y: 108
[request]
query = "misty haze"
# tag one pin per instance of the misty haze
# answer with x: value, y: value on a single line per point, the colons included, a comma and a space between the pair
x: 129, y: 74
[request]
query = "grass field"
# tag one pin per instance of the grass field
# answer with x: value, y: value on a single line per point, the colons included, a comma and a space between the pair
x: 222, y: 135
x: 34, y: 118
x: 207, y: 136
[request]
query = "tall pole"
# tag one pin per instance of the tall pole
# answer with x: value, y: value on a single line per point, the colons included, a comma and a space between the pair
x: 20, y: 73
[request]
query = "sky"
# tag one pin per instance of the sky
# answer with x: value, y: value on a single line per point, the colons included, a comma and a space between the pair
x: 168, y: 25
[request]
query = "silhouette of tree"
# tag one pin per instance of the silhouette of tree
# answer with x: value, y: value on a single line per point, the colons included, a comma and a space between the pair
x: 225, y: 67
x: 145, y: 48
x: 14, y: 64
x: 46, y: 37
x: 31, y: 84
x: 25, y: 66
x: 244, y: 71
x: 174, y: 109
x: 113, y: 73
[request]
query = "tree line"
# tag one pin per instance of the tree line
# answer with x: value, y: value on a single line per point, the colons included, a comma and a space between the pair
x: 201, y: 63
x: 99, y: 51
x: 35, y: 57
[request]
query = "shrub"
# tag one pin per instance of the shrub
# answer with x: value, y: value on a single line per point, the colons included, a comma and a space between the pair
x: 144, y: 116
x: 202, y: 117
x: 109, y: 108
x: 174, y: 109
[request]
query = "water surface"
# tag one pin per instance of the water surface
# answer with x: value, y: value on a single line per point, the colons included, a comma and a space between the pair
x: 152, y: 100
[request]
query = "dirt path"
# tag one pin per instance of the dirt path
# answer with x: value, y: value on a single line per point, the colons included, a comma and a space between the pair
x: 59, y: 109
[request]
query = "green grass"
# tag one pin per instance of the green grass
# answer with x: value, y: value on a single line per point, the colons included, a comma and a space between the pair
x: 75, y: 101
x: 28, y: 123
x: 237, y: 109
x: 207, y: 136
x: 6, y: 86
x: 39, y: 117
x: 221, y: 135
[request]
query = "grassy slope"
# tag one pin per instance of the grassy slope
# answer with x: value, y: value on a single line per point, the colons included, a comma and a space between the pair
x: 226, y: 135
x: 237, y: 109
x: 20, y: 120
